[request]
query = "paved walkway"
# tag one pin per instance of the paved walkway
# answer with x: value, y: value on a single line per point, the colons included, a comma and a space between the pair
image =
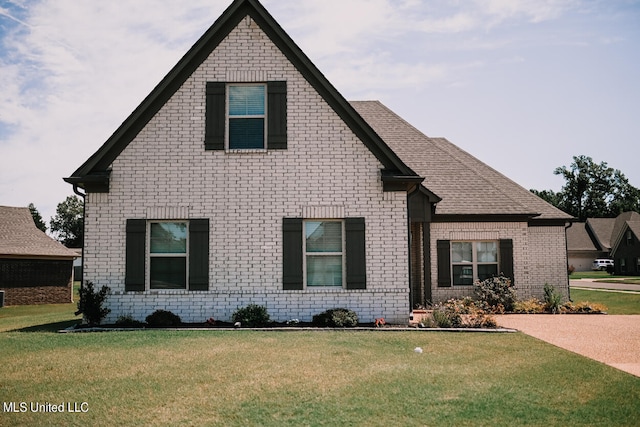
x: 610, y: 339
x: 592, y: 284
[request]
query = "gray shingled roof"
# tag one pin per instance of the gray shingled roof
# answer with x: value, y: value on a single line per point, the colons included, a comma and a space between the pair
x: 578, y: 238
x: 466, y: 185
x: 602, y: 229
x: 19, y: 236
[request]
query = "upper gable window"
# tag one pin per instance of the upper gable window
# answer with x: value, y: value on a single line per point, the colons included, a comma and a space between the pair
x: 246, y: 115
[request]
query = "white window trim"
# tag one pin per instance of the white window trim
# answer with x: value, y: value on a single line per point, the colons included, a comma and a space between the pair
x: 261, y: 116
x: 474, y: 259
x: 342, y: 254
x: 150, y: 255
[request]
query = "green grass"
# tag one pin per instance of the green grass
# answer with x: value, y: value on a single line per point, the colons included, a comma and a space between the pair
x: 616, y: 302
x: 248, y: 378
x: 597, y: 275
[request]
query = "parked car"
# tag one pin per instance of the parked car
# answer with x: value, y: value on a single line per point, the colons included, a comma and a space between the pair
x: 602, y: 264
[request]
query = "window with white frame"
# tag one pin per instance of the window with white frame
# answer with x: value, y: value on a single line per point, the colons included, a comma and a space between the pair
x: 324, y: 253
x: 168, y: 266
x: 246, y: 114
x: 471, y: 261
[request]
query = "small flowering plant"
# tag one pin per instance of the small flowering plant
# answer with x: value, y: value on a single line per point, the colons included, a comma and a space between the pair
x: 293, y: 322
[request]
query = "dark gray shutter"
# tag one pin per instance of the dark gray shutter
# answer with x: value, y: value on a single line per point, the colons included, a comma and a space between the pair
x: 292, y: 277
x: 135, y: 254
x: 444, y: 263
x: 277, y: 115
x: 199, y: 254
x: 356, y: 257
x: 506, y: 258
x: 215, y: 115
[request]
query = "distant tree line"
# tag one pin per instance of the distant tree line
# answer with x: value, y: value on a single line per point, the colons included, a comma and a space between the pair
x: 67, y: 225
x: 592, y: 190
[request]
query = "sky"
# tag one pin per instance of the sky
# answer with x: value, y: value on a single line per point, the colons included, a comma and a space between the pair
x: 523, y: 85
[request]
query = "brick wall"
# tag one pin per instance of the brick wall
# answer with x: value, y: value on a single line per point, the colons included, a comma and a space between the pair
x: 38, y: 295
x: 165, y: 173
x: 539, y: 255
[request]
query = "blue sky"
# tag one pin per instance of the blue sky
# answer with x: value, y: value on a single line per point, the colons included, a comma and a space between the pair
x: 523, y: 85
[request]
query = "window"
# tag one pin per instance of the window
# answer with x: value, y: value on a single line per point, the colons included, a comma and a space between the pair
x: 476, y: 259
x: 471, y: 261
x: 629, y: 238
x: 168, y: 255
x: 323, y: 253
x: 623, y: 265
x: 246, y: 116
x: 246, y: 113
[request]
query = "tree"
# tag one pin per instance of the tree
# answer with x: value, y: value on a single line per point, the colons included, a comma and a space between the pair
x: 592, y: 190
x: 68, y: 222
x: 37, y: 218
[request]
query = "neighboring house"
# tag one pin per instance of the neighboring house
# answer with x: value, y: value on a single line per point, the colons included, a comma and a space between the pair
x: 584, y: 245
x: 611, y: 238
x: 245, y: 177
x: 34, y: 268
x: 625, y: 248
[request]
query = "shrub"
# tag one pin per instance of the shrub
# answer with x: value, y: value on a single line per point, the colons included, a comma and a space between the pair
x: 498, y: 293
x: 336, y: 318
x: 128, y: 322
x: 552, y: 299
x: 530, y: 306
x: 571, y: 269
x: 163, y: 319
x: 253, y: 316
x: 90, y: 303
x: 584, y: 307
x: 462, y: 313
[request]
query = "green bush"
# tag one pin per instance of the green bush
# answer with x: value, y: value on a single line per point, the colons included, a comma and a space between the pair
x: 552, y: 299
x: 498, y: 293
x: 90, y: 303
x: 253, y: 316
x: 163, y: 319
x: 336, y: 318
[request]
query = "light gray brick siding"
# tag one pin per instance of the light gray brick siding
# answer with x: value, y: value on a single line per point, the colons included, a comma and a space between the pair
x: 539, y: 255
x: 165, y: 173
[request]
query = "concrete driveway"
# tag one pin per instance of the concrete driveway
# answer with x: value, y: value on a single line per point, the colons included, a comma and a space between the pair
x: 611, y: 339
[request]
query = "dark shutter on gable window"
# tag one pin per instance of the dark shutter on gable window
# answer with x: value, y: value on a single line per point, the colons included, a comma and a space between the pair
x: 199, y: 254
x: 135, y: 253
x: 215, y: 116
x: 443, y: 248
x: 356, y: 257
x: 506, y: 258
x: 277, y: 115
x: 292, y: 277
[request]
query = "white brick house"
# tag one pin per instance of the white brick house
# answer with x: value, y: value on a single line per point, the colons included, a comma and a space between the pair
x: 245, y: 177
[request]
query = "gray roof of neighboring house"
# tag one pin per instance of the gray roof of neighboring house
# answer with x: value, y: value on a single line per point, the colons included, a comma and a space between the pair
x: 578, y: 238
x: 19, y: 236
x: 466, y: 185
x: 622, y: 221
x: 602, y: 229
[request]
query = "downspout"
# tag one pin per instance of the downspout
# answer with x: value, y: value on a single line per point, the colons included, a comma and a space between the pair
x: 84, y: 222
x: 566, y: 248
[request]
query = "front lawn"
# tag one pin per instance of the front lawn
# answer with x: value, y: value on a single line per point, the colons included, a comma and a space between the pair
x: 601, y: 275
x: 248, y: 378
x: 616, y: 302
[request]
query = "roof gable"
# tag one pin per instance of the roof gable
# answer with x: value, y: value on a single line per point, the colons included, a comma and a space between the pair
x: 94, y: 174
x: 19, y: 236
x: 623, y: 222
